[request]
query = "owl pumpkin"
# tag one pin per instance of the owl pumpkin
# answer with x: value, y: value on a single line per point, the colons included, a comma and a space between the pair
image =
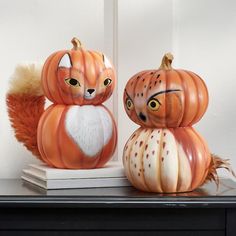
x: 77, y: 131
x: 166, y: 154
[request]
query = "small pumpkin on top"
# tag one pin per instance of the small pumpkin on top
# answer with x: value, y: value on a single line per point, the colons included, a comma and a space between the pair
x: 165, y: 97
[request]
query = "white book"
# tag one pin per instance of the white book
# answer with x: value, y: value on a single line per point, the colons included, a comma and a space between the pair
x: 74, y: 183
x: 112, y: 169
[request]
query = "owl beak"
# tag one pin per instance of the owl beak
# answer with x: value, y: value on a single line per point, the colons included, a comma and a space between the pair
x: 142, y: 117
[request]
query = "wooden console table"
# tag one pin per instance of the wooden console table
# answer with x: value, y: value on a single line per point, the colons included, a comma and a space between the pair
x: 29, y: 210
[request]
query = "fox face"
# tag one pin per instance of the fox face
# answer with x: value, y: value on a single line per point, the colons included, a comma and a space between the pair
x: 79, y: 77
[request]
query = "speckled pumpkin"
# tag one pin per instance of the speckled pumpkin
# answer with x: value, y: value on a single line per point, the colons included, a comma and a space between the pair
x: 166, y: 160
x: 165, y: 97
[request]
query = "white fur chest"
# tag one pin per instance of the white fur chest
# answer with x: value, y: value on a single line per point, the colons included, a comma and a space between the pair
x: 90, y: 127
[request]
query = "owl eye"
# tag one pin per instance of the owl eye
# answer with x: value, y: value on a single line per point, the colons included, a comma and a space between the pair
x: 72, y: 82
x: 153, y: 104
x: 107, y: 81
x: 129, y: 104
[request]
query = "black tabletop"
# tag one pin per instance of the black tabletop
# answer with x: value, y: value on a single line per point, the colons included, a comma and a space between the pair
x: 16, y: 193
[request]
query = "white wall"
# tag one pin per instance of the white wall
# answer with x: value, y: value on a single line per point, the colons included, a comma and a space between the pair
x: 144, y: 35
x: 30, y: 30
x: 205, y: 42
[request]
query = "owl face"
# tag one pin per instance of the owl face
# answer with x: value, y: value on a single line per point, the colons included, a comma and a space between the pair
x: 151, y: 99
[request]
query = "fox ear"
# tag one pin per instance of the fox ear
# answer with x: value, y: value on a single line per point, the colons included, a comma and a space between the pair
x: 65, y: 61
x: 106, y: 62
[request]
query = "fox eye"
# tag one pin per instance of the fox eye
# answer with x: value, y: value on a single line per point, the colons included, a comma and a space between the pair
x: 72, y: 82
x: 129, y: 104
x: 107, y: 81
x: 153, y: 105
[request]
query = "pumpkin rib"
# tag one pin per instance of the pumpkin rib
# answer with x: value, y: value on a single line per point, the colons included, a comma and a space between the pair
x: 45, y: 76
x: 203, y: 90
x: 131, y: 174
x: 179, y: 120
x: 198, y: 103
x: 183, y: 85
x: 201, y: 163
x: 43, y: 121
x: 159, y: 165
x: 142, y: 164
x: 146, y: 109
x: 52, y: 79
x: 96, y: 75
x: 100, y: 154
x: 59, y: 90
x: 206, y: 151
x: 188, y: 106
x: 160, y: 155
x: 61, y: 123
x: 139, y: 75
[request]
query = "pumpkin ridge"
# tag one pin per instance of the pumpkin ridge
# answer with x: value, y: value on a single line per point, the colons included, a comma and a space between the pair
x: 204, y: 153
x: 198, y: 104
x: 42, y: 123
x: 207, y: 93
x: 183, y: 104
x: 53, y: 79
x: 58, y: 136
x: 150, y: 80
x: 160, y: 154
x: 131, y: 174
x: 176, y: 145
x: 96, y: 74
x: 45, y: 81
x: 206, y: 150
x: 142, y: 164
x: 159, y: 160
x: 139, y: 75
x: 183, y: 139
x: 186, y: 93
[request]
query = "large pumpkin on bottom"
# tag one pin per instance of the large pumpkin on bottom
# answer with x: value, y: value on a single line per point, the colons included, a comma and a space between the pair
x: 165, y: 97
x: 76, y: 137
x: 166, y: 160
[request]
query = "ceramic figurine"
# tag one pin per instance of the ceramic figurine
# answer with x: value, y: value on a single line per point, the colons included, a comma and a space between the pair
x: 166, y: 154
x: 77, y: 131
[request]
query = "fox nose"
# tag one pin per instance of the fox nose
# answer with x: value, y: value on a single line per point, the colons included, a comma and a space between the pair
x: 90, y: 91
x: 142, y: 117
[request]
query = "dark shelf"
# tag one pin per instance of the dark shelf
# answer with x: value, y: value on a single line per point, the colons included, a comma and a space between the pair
x: 17, y: 193
x: 28, y: 210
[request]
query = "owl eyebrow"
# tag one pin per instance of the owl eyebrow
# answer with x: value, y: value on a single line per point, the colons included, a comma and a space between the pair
x: 164, y: 91
x: 127, y: 94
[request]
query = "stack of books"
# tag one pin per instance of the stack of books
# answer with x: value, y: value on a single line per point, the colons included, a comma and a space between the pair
x: 112, y: 175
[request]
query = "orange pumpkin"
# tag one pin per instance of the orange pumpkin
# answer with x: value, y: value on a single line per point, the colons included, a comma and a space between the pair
x: 76, y: 137
x: 165, y: 97
x: 166, y: 160
x: 78, y: 76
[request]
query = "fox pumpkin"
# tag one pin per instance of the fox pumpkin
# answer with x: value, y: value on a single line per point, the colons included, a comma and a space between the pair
x: 78, y: 76
x: 77, y: 131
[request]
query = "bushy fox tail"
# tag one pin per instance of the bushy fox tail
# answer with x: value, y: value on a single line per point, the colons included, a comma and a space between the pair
x: 25, y: 103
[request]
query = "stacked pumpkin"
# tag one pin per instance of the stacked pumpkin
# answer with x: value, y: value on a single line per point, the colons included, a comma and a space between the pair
x: 166, y: 154
x: 77, y: 131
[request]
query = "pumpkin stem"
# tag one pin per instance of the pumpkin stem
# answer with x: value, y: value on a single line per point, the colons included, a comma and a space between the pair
x: 166, y: 62
x: 76, y: 43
